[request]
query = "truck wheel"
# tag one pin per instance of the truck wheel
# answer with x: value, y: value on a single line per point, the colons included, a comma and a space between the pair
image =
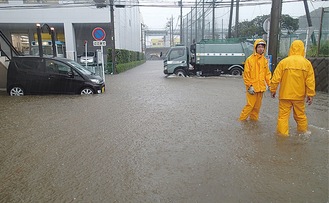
x: 180, y: 72
x: 236, y: 71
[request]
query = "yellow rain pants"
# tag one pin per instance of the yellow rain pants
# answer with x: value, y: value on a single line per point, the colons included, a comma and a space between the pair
x: 298, y: 107
x: 252, y: 107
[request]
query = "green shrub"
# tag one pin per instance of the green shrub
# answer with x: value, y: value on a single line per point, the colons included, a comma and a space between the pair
x: 126, y: 66
x: 324, y: 49
x: 125, y: 60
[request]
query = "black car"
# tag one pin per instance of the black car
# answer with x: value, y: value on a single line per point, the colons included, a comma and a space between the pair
x: 43, y: 75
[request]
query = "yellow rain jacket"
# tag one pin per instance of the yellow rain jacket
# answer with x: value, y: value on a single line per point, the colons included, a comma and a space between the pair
x: 295, y: 75
x: 296, y: 78
x: 256, y: 71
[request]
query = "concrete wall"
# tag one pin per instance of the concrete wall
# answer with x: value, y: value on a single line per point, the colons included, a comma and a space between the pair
x: 3, y: 74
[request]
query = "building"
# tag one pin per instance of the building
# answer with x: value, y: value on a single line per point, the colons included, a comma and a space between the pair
x: 73, y: 21
x: 157, y: 42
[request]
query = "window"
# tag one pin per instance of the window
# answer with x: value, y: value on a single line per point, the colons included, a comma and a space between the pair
x: 21, y: 42
x: 57, y: 67
x: 176, y: 53
x: 30, y: 64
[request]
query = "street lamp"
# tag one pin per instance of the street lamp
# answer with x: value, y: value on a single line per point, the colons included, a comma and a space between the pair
x: 39, y: 40
x: 51, y: 31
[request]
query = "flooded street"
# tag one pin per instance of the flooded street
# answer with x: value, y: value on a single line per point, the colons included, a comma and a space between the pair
x: 155, y: 139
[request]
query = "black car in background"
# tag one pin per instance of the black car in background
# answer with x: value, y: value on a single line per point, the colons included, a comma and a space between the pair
x: 43, y: 75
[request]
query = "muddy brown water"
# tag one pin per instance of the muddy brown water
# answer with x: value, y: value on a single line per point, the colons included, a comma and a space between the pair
x: 155, y: 139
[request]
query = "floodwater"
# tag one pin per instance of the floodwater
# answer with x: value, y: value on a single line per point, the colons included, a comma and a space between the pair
x: 155, y: 139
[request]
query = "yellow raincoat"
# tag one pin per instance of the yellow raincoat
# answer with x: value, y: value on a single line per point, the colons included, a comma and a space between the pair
x: 296, y: 78
x: 257, y: 74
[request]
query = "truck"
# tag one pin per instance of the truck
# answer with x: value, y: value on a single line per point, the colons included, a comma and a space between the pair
x: 207, y: 58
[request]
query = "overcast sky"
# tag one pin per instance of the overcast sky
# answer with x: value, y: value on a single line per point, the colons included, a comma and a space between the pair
x: 157, y: 17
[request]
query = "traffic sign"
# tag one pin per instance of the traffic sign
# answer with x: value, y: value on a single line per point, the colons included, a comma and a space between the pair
x: 99, y: 34
x: 99, y: 43
x: 266, y: 25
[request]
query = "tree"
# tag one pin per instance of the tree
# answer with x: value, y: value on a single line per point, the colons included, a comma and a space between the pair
x: 255, y: 26
x: 247, y: 28
x: 289, y: 23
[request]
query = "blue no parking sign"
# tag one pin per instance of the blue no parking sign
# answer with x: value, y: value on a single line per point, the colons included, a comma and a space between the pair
x: 99, y: 34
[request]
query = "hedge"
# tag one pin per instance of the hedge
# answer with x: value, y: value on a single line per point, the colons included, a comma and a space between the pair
x: 125, y: 59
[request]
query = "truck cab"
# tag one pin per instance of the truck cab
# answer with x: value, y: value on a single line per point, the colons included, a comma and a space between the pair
x: 176, y: 61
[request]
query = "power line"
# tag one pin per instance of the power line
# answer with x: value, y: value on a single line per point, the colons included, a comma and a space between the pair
x: 188, y: 4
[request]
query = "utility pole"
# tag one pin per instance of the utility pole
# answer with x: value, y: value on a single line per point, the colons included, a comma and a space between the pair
x: 181, y: 22
x: 320, y: 31
x: 203, y: 21
x: 172, y: 30
x: 142, y: 37
x: 112, y: 38
x: 191, y: 34
x: 196, y: 20
x: 237, y: 19
x: 309, y: 21
x: 307, y: 11
x: 274, y: 31
x: 213, y: 19
x: 222, y: 29
x: 187, y: 37
x: 183, y: 33
x: 229, y: 34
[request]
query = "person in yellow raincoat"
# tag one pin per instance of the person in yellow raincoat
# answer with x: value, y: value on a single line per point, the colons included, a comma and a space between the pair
x: 295, y: 75
x: 256, y: 75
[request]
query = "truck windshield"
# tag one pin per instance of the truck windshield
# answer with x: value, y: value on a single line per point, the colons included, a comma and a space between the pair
x: 176, y: 53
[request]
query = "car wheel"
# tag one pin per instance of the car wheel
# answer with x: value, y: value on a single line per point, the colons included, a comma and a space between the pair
x: 236, y: 71
x: 180, y: 72
x: 16, y: 91
x: 87, y: 90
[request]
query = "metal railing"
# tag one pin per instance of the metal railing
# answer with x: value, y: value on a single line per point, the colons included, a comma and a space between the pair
x: 13, y: 51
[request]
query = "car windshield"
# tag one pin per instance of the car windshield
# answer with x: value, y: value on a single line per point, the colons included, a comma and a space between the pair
x: 88, y: 54
x: 80, y: 68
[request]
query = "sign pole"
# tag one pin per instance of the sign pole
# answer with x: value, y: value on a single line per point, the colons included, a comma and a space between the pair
x: 103, y: 72
x: 268, y: 38
x: 86, y: 52
x: 99, y: 35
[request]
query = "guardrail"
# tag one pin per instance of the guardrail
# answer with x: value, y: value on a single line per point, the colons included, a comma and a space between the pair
x: 13, y: 51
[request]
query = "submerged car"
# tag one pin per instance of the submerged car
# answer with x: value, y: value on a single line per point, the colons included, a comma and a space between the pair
x: 43, y: 75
